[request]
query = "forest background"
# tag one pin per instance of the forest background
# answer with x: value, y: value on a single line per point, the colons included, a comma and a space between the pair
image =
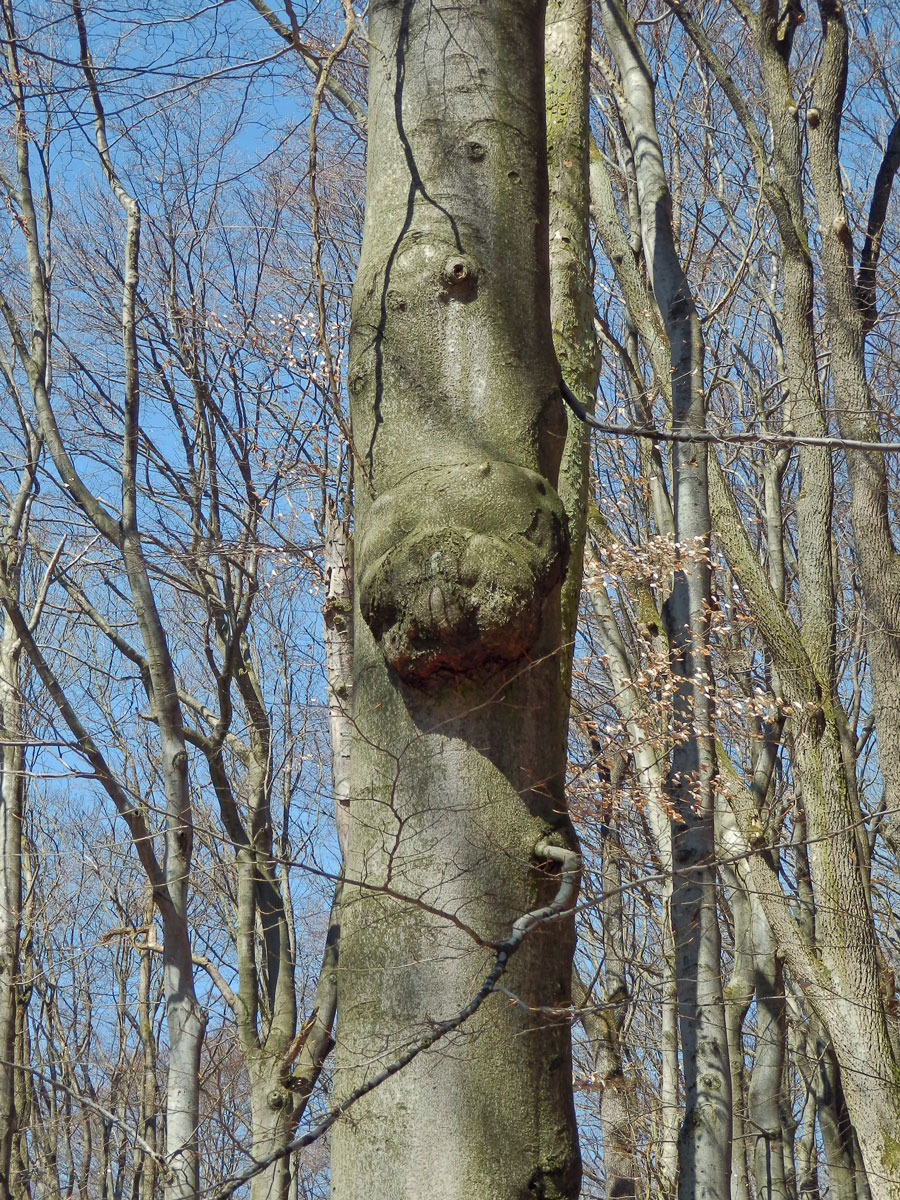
x: 184, y: 197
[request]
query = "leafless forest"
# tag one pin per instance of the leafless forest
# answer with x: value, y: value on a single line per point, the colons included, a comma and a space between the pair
x: 450, y: 658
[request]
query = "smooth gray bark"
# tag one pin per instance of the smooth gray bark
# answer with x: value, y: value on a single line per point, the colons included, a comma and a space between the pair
x: 13, y: 535
x: 617, y: 1107
x: 11, y: 806
x: 459, y: 713
x: 765, y: 1101
x: 705, y: 1139
x: 568, y: 45
x: 337, y: 612
x: 759, y: 976
x: 818, y: 1068
x: 145, y: 1164
x: 738, y: 994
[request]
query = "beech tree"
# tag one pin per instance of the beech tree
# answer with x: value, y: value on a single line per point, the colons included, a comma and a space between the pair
x: 188, y: 364
x: 458, y: 819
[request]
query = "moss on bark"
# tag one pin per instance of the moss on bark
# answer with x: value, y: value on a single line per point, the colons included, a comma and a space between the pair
x: 459, y: 752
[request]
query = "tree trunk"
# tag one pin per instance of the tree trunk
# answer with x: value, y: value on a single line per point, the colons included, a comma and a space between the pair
x: 738, y: 995
x: 459, y: 754
x: 819, y: 1071
x: 145, y: 1165
x: 618, y: 1114
x: 14, y: 1181
x: 12, y: 766
x: 337, y: 614
x: 705, y: 1139
x: 568, y: 44
x: 765, y: 1107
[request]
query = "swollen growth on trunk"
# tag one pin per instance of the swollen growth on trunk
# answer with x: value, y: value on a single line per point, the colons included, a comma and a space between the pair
x: 458, y: 757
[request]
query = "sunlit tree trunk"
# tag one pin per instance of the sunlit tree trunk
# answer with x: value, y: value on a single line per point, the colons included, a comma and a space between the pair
x: 460, y: 548
x: 738, y: 994
x: 705, y: 1139
x: 618, y: 1112
x: 568, y: 41
x: 13, y: 1184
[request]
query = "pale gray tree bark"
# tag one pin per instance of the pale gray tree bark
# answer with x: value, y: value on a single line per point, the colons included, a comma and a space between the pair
x: 11, y: 815
x: 460, y: 548
x: 705, y: 1139
x: 337, y: 612
x: 146, y: 1165
x: 758, y: 974
x: 568, y: 43
x: 817, y: 1066
x: 604, y: 1019
x: 738, y: 994
x: 13, y: 540
x: 765, y: 1099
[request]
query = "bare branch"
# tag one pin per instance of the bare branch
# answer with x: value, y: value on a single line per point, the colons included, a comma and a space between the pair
x: 331, y: 85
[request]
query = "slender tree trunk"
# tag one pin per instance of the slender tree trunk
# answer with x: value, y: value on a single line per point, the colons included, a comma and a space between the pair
x: 705, y: 1140
x: 759, y: 976
x: 805, y: 1153
x: 145, y: 1165
x: 12, y: 776
x: 765, y: 1107
x: 185, y: 1018
x: 337, y: 612
x: 738, y: 993
x: 14, y: 1182
x: 817, y: 1066
x: 669, y: 1090
x: 618, y: 1113
x: 617, y: 1105
x: 603, y: 1021
x: 460, y: 546
x: 568, y: 47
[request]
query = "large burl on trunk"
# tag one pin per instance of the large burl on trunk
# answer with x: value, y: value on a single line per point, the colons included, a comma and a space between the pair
x: 458, y: 760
